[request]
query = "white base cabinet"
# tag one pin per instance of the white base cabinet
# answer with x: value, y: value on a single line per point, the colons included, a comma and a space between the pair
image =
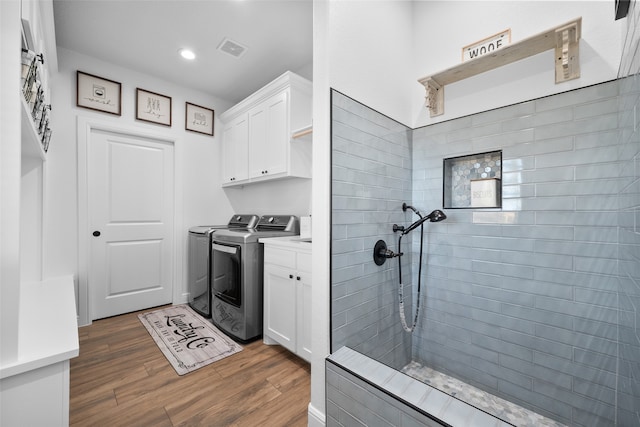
x: 287, y: 295
x: 257, y: 134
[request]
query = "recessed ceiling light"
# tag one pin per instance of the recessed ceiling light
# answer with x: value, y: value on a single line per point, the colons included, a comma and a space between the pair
x: 187, y: 54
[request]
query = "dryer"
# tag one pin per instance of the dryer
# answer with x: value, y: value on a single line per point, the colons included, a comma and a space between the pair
x: 199, y: 260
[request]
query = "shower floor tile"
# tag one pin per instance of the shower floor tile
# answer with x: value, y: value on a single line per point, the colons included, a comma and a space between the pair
x: 500, y: 408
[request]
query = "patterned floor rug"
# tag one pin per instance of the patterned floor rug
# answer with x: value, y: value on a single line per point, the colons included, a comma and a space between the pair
x: 186, y: 339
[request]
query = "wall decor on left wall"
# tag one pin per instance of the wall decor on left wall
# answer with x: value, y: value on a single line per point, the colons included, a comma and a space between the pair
x: 98, y: 93
x: 153, y: 107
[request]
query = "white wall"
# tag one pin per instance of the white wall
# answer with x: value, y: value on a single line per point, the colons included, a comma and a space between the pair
x: 10, y: 153
x: 439, y: 42
x: 370, y: 45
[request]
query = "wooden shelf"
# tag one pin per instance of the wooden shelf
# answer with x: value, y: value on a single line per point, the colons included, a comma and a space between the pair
x: 299, y: 133
x: 563, y: 38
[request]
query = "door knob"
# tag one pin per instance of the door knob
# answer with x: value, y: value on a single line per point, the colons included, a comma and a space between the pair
x: 96, y: 233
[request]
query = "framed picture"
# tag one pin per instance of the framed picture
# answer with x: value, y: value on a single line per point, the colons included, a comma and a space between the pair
x: 97, y: 93
x: 153, y: 107
x: 198, y: 119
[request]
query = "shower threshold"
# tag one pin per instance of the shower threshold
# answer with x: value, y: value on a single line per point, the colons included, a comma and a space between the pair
x: 496, y: 406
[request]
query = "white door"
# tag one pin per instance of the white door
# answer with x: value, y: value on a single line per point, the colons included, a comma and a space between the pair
x: 130, y: 184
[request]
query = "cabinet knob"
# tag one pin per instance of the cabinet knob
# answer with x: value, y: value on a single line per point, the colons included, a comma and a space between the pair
x: 297, y: 277
x: 291, y: 276
x: 96, y: 233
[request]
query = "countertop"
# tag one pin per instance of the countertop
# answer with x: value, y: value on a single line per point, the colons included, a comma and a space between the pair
x: 292, y: 242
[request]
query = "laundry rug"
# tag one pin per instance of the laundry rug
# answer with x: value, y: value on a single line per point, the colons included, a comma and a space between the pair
x: 187, y: 340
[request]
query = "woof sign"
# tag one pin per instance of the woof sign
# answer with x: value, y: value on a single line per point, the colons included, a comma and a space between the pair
x: 486, y: 46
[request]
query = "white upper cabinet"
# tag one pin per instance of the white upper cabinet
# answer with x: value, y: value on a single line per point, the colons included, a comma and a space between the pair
x: 269, y: 136
x: 235, y: 146
x: 270, y: 115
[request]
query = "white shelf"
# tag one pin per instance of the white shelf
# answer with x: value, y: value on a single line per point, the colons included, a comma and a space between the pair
x: 31, y: 145
x: 563, y: 38
x: 47, y: 324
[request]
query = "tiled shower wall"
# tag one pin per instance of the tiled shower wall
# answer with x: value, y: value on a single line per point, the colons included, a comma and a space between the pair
x: 522, y: 301
x: 535, y: 302
x: 371, y: 178
x: 628, y: 395
x: 629, y: 257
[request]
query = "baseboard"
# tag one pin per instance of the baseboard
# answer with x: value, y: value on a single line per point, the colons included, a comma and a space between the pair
x: 316, y: 418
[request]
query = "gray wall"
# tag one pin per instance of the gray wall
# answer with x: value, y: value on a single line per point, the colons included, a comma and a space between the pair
x: 534, y: 302
x: 628, y: 396
x: 371, y: 178
x: 522, y: 301
x: 628, y: 393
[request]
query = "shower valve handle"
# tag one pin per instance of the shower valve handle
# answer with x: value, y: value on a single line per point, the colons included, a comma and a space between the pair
x: 381, y: 253
x: 388, y: 253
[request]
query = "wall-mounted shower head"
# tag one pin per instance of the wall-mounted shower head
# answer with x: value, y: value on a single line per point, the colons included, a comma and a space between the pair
x: 435, y: 216
x: 406, y: 206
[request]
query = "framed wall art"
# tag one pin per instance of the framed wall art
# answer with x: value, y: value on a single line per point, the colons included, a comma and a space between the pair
x: 198, y: 119
x: 98, y: 93
x: 153, y: 107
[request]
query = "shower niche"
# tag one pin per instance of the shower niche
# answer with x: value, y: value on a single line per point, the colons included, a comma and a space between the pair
x: 473, y: 181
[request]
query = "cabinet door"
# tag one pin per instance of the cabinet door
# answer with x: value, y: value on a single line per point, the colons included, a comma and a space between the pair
x: 258, y: 145
x: 235, y: 149
x: 280, y: 305
x: 303, y: 281
x: 269, y: 136
x: 278, y: 133
x: 303, y: 337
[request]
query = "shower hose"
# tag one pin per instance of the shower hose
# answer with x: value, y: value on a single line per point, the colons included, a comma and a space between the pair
x: 403, y: 319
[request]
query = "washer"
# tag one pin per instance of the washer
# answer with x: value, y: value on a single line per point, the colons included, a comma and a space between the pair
x: 237, y: 278
x: 199, y: 260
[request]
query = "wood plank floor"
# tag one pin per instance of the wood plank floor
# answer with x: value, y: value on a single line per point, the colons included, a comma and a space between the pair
x: 121, y: 378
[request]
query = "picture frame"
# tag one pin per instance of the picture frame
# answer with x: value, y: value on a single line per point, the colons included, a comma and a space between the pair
x: 153, y: 107
x: 198, y: 119
x: 98, y: 93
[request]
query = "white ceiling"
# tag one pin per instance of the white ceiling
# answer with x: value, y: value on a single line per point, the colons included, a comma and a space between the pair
x: 145, y: 35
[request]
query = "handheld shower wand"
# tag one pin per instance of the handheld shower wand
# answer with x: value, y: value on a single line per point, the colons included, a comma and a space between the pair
x: 435, y: 216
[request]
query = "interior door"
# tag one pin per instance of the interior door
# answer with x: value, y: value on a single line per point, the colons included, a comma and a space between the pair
x: 130, y: 183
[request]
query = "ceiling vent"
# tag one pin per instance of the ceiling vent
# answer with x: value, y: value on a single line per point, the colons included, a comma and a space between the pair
x: 232, y: 48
